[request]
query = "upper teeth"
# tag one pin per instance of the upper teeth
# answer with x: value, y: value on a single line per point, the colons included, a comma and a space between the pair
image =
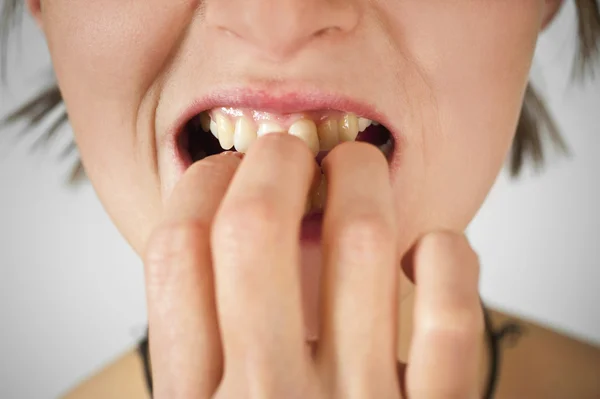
x: 244, y: 135
x: 348, y: 127
x: 225, y: 132
x: 241, y: 131
x: 307, y: 131
x: 267, y: 127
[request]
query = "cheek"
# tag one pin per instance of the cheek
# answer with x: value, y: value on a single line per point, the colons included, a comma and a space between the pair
x: 477, y: 77
x: 108, y: 56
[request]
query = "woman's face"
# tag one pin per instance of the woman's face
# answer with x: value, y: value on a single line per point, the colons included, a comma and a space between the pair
x: 446, y: 77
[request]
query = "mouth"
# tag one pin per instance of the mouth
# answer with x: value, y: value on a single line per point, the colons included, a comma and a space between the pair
x: 234, y: 124
x: 236, y: 129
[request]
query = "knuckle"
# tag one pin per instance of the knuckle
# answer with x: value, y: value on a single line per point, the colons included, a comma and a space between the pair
x: 254, y: 217
x: 462, y: 326
x: 171, y: 244
x: 366, y: 232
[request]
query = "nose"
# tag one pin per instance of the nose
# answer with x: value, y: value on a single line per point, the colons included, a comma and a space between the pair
x: 278, y: 29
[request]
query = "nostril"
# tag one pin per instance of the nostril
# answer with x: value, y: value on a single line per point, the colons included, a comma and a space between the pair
x: 280, y: 28
x: 326, y: 31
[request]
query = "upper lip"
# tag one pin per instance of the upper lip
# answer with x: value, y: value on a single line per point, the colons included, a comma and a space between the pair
x: 277, y: 102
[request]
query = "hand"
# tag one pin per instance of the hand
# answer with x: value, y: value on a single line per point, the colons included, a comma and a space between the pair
x: 224, y: 296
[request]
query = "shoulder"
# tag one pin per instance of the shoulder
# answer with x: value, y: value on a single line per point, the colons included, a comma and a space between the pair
x: 123, y: 378
x: 537, y: 362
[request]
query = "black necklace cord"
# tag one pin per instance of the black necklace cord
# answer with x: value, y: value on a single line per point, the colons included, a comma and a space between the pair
x: 145, y: 354
x: 510, y: 330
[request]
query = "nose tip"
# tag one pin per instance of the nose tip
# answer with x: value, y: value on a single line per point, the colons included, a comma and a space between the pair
x: 278, y: 29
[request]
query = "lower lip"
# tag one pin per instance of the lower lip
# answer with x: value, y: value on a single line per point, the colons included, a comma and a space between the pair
x: 312, y: 226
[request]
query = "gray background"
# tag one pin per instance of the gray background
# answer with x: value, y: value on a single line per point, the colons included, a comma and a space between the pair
x: 71, y: 290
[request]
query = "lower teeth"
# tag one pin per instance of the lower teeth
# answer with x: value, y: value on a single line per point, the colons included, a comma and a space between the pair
x: 387, y: 148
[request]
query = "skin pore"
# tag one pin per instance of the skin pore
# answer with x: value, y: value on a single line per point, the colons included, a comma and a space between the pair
x: 446, y: 77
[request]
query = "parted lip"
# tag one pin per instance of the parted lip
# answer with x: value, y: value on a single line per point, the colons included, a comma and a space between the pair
x: 273, y: 101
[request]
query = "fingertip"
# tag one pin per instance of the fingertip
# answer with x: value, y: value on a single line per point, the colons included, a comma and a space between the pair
x: 448, y: 322
x: 446, y: 240
x: 199, y: 191
x: 281, y: 143
x: 444, y: 247
x: 225, y: 158
x: 354, y: 151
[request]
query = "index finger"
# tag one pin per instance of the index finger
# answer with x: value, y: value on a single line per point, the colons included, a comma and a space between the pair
x: 183, y: 331
x: 256, y: 252
x: 448, y: 320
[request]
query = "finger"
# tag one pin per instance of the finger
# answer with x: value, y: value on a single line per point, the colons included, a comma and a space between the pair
x: 361, y: 268
x: 448, y: 321
x: 184, y: 337
x: 256, y: 253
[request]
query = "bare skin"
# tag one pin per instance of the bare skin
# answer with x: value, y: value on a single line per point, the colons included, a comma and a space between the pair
x: 539, y: 364
x: 526, y: 370
x: 446, y: 78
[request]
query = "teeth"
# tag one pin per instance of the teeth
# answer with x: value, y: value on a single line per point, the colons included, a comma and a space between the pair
x: 244, y: 134
x: 387, y: 148
x: 241, y: 131
x: 269, y: 127
x: 214, y: 129
x: 328, y: 134
x: 226, y: 130
x: 306, y: 130
x: 363, y: 124
x: 348, y: 127
x: 205, y: 121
